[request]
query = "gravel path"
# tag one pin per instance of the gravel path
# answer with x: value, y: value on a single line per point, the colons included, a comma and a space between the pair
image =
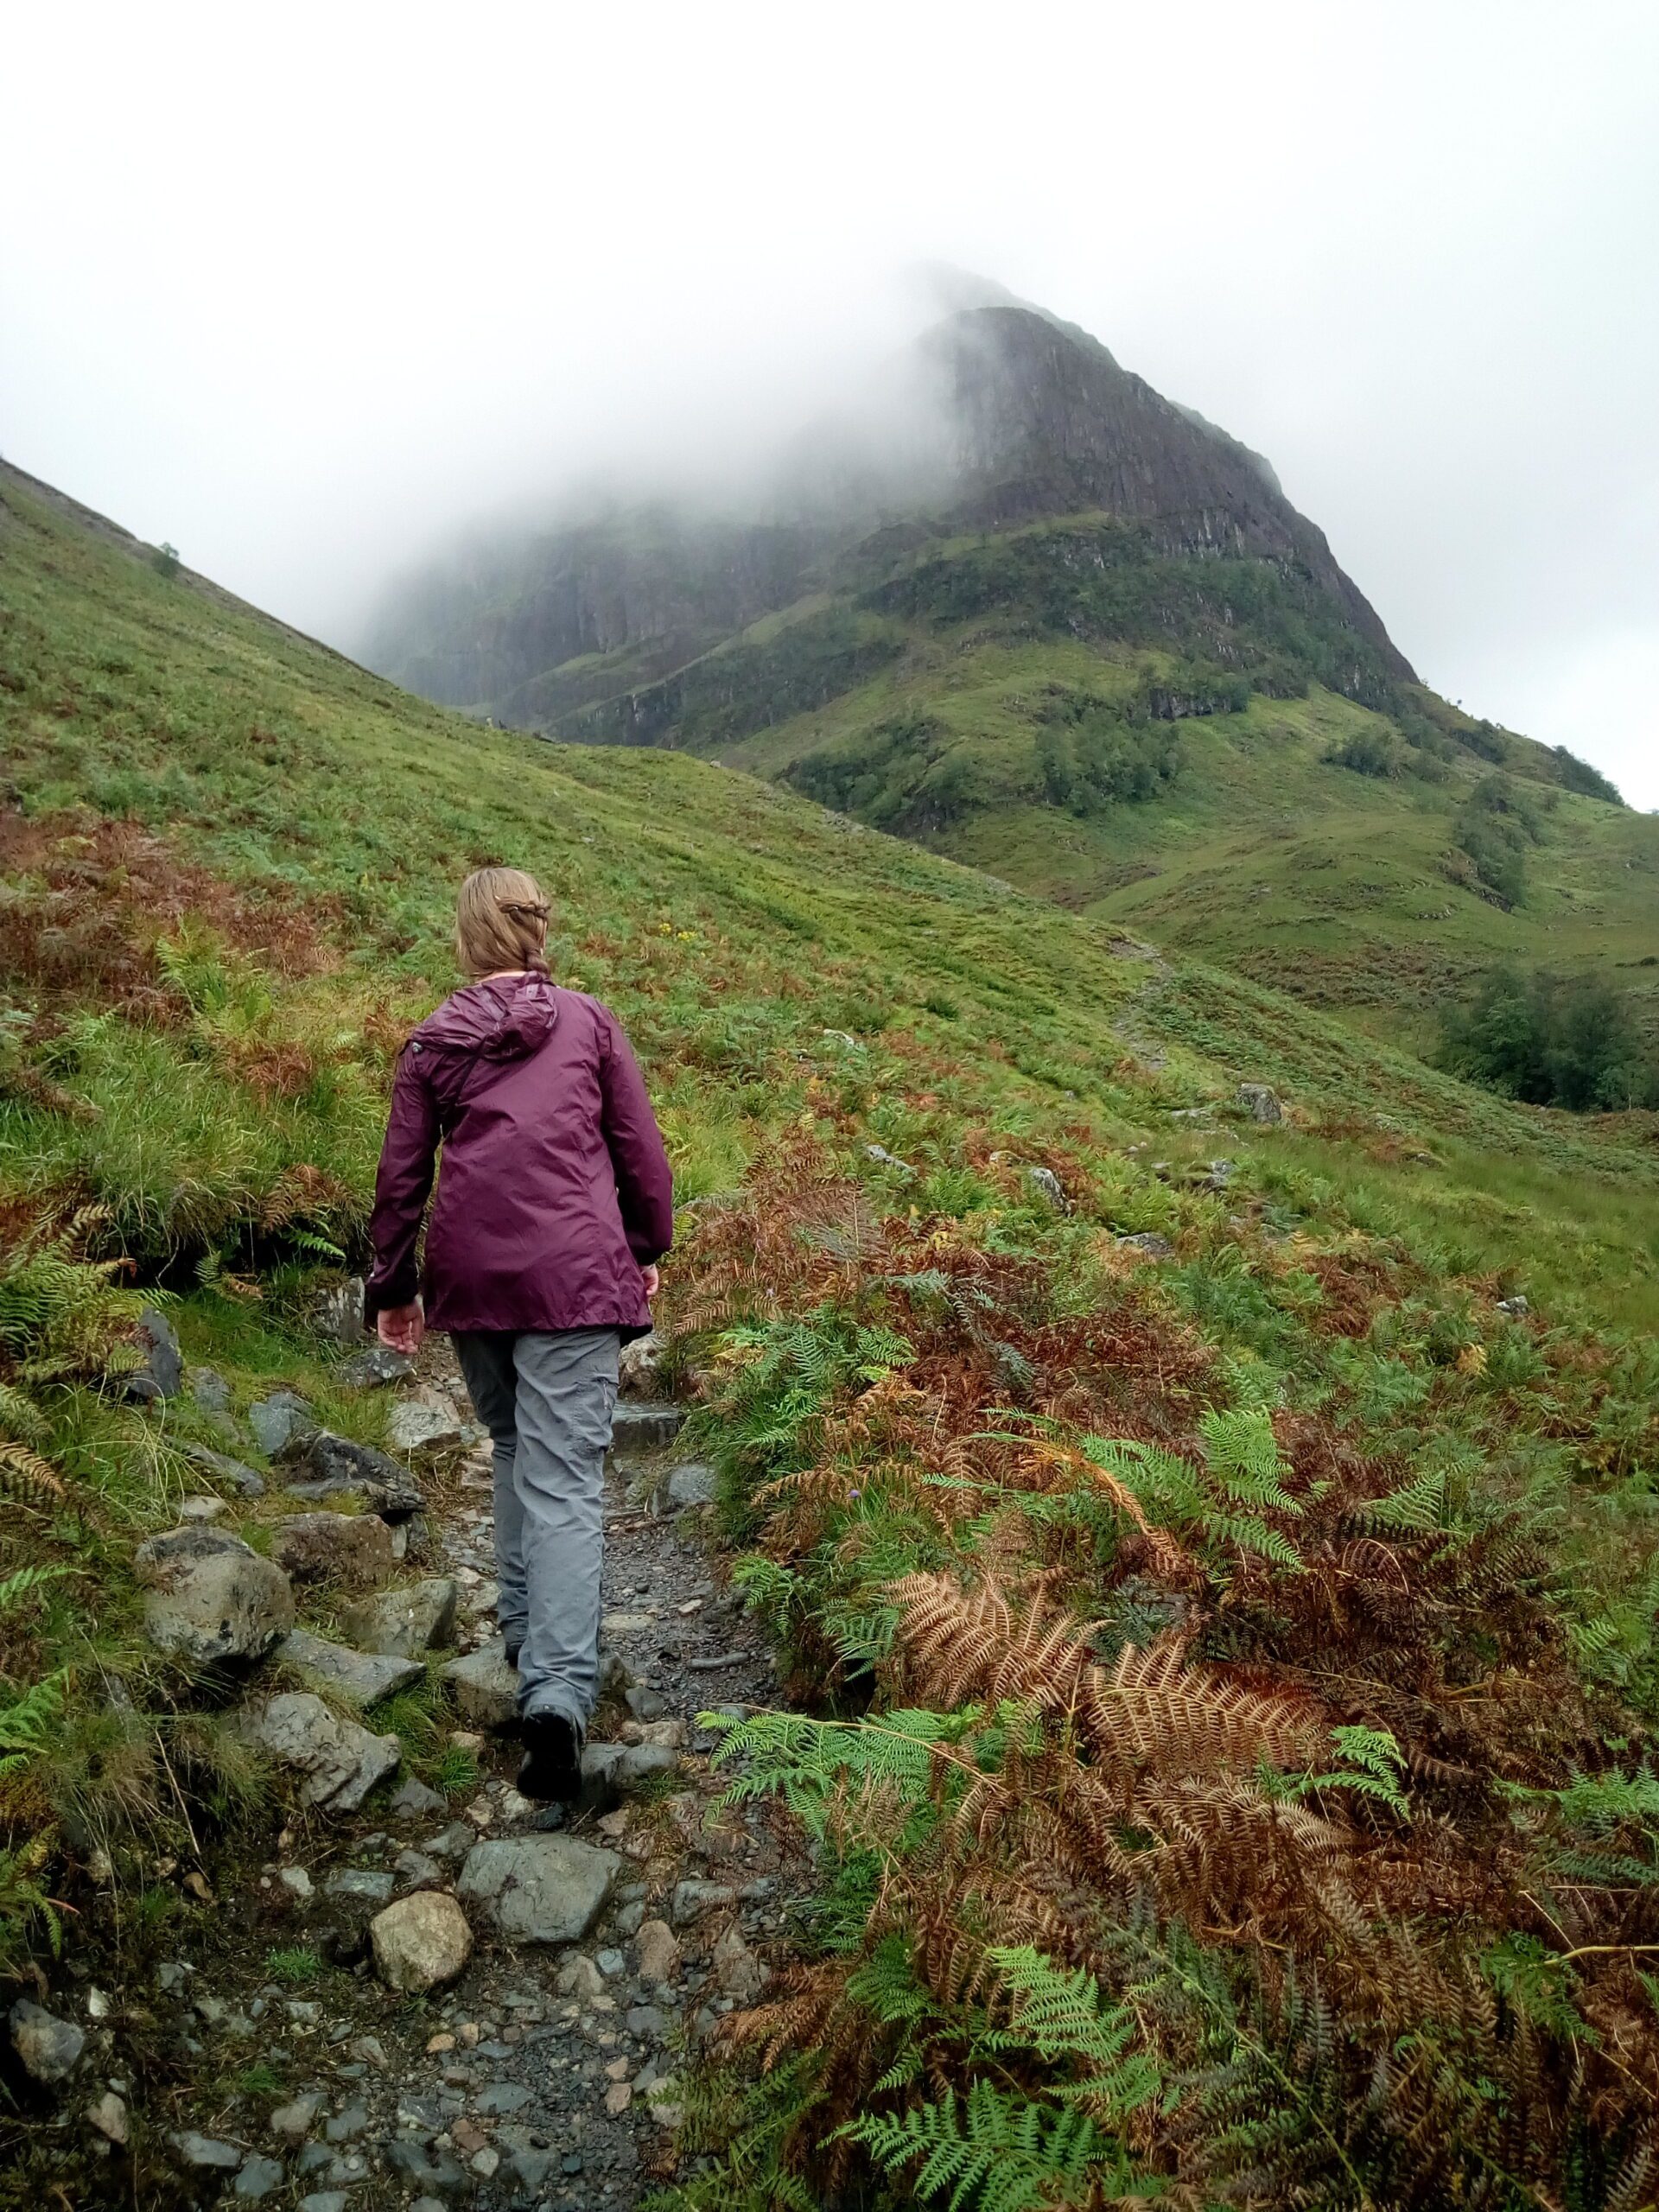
x: 541, y: 2076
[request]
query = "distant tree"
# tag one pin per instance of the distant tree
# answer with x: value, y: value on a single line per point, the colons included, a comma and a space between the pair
x: 1494, y: 826
x: 1369, y: 753
x: 165, y: 559
x: 1552, y: 1041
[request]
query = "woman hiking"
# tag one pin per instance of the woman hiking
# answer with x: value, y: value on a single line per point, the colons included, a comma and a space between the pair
x: 554, y: 1204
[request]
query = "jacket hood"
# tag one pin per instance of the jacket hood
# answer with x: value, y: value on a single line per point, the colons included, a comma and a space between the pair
x: 506, y: 1019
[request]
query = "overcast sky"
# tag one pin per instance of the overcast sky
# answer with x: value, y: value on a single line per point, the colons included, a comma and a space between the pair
x: 302, y: 287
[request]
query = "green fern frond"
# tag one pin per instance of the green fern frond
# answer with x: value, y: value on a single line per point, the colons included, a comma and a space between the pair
x: 995, y: 2151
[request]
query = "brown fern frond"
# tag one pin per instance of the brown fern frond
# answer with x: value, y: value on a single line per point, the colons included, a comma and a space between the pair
x: 27, y: 1480
x: 1153, y: 1711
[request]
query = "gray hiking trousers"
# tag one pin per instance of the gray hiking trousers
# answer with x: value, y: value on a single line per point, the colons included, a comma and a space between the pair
x: 547, y: 1400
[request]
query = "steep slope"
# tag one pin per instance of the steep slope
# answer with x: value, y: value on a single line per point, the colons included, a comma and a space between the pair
x: 1237, y: 1534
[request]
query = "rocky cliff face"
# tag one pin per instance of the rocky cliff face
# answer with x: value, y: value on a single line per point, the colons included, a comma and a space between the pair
x: 1028, y: 418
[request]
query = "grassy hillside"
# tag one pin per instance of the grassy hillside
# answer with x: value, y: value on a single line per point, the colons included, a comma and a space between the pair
x: 1229, y: 1655
x: 1199, y: 748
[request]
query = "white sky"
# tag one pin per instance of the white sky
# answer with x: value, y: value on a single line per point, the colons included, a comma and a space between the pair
x: 300, y: 288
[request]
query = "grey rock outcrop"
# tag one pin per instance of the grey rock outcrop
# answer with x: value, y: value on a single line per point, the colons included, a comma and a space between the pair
x: 1260, y: 1102
x: 340, y: 1761
x: 210, y: 1599
x: 539, y: 1889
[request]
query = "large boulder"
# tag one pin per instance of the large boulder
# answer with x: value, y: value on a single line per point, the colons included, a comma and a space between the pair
x: 420, y: 1616
x: 421, y: 1942
x: 210, y: 1599
x: 340, y: 1761
x: 336, y: 1466
x: 638, y: 1365
x: 353, y: 1550
x: 360, y: 1678
x: 483, y: 1687
x: 338, y: 1312
x: 1260, y: 1102
x: 539, y: 1889
x: 48, y: 2050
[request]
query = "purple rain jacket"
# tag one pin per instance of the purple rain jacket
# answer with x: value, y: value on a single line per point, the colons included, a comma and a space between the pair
x: 555, y: 1189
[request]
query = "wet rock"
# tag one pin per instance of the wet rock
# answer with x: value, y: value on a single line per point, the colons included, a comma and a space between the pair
x: 642, y: 1425
x: 348, y: 2125
x: 354, y: 1549
x: 645, y: 1704
x: 425, y: 1426
x: 361, y: 1678
x: 294, y: 2121
x: 374, y: 1369
x: 421, y: 1942
x: 338, y: 1313
x: 282, y: 1423
x: 412, y: 1799
x: 257, y: 2177
x: 47, y: 2048
x: 529, y: 2169
x: 693, y: 1483
x: 539, y: 1889
x: 341, y: 1761
x: 296, y: 1881
x: 419, y: 1617
x: 483, y: 1687
x: 648, y: 2022
x: 659, y: 1951
x: 159, y: 1373
x: 207, y: 2151
x: 324, y: 2200
x: 210, y: 1598
x: 1260, y: 1102
x: 108, y: 2115
x: 453, y: 1842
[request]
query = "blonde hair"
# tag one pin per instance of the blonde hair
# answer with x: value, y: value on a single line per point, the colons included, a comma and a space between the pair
x: 500, y: 923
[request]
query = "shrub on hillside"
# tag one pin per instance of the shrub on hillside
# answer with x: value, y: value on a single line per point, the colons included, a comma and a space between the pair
x: 1494, y: 827
x: 1552, y: 1042
x: 1369, y: 753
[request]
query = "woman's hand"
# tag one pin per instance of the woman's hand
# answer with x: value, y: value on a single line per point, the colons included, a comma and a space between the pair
x: 653, y: 1280
x: 403, y: 1327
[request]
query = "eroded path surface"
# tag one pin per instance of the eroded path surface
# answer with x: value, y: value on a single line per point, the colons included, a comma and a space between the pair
x: 542, y: 2075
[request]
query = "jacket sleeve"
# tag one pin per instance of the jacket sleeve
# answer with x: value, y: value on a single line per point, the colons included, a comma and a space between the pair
x: 401, y: 1188
x: 644, y: 1182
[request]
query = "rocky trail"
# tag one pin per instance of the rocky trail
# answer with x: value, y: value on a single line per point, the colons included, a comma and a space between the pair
x: 427, y: 1999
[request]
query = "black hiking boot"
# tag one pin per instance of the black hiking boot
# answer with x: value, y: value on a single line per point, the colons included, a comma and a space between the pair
x: 552, y: 1769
